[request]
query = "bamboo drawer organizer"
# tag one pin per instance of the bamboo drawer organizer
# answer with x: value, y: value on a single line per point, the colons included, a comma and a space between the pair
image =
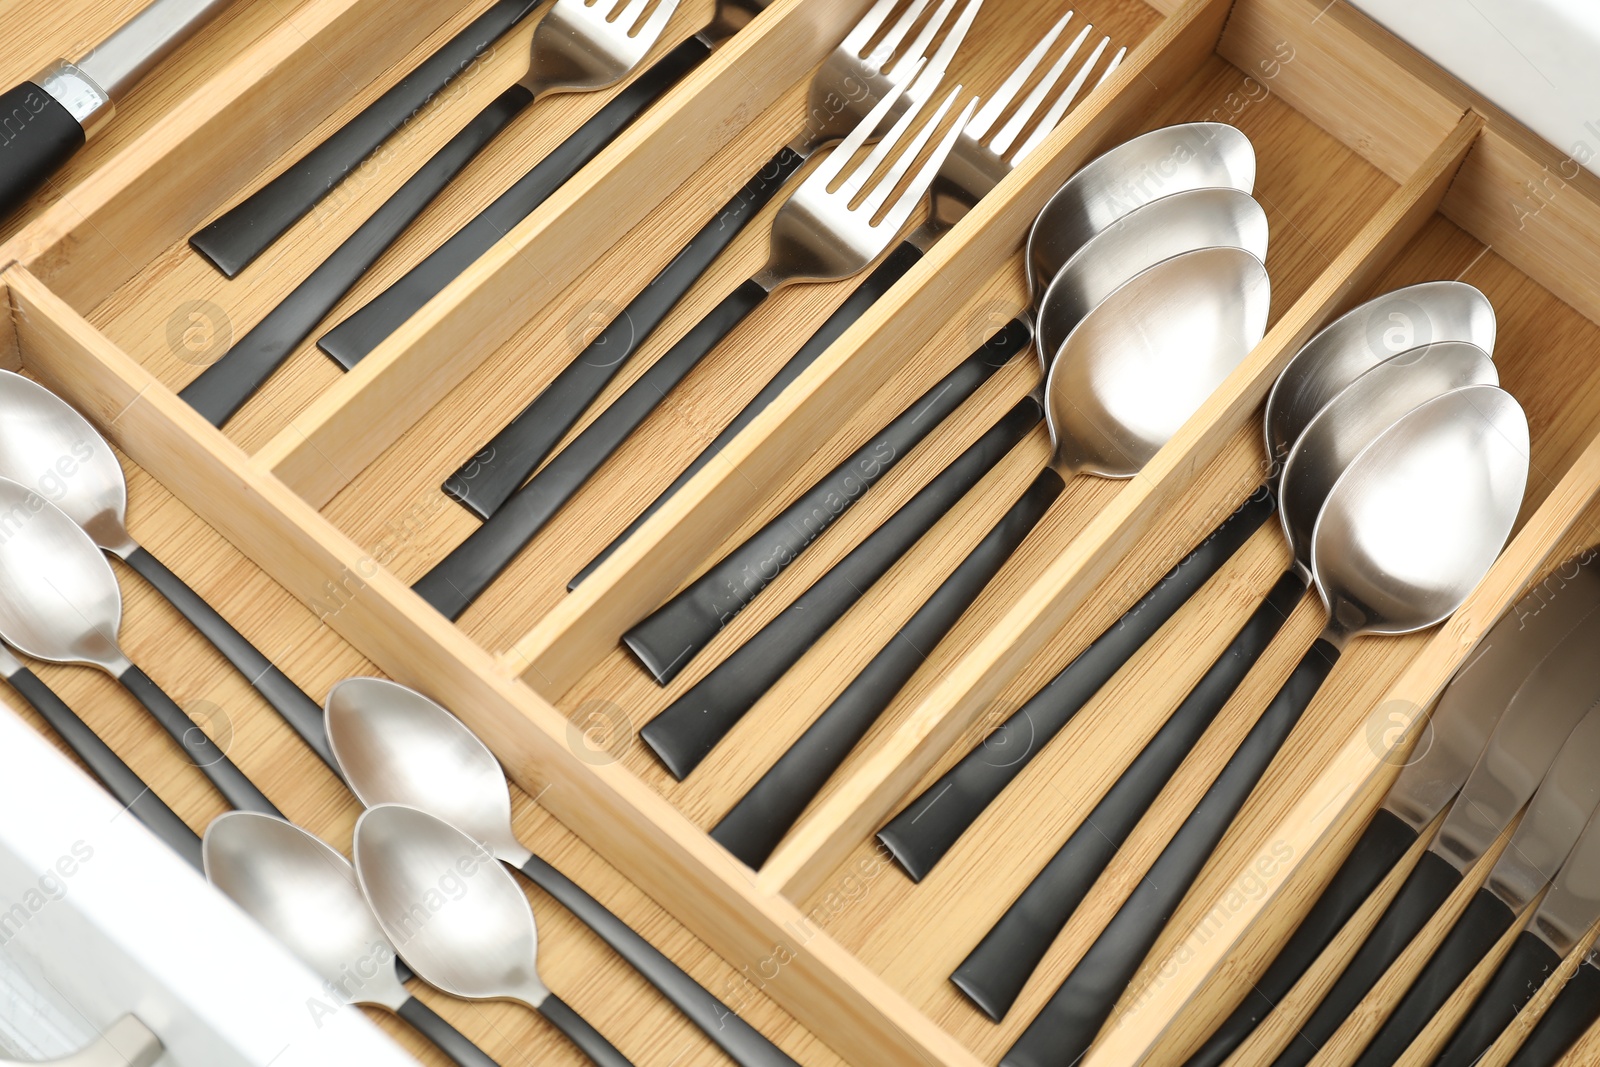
x: 305, y: 521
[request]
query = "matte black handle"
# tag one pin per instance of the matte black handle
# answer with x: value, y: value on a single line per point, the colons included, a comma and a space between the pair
x: 235, y: 239
x: 224, y: 387
x: 669, y: 638
x: 743, y: 1043
x: 930, y: 825
x: 879, y: 282
x: 485, y: 481
x: 691, y: 726
x: 444, y: 1037
x: 1484, y: 922
x: 763, y: 815
x: 1520, y: 976
x: 359, y: 334
x: 1067, y: 1026
x: 118, y: 778
x: 994, y: 973
x: 1423, y: 893
x: 589, y: 1040
x: 462, y: 576
x: 230, y: 781
x: 1382, y: 845
x: 1567, y: 1019
x: 302, y: 713
x: 37, y: 139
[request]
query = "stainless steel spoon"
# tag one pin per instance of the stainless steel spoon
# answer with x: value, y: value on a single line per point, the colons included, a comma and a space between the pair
x: 398, y: 747
x: 459, y: 919
x: 1407, y: 531
x: 305, y: 894
x: 60, y: 602
x: 46, y: 445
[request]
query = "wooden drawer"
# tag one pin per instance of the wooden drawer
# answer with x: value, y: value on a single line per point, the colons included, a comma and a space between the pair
x: 307, y: 519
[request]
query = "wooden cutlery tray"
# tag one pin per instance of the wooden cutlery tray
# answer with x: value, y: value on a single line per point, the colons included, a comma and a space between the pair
x: 305, y: 521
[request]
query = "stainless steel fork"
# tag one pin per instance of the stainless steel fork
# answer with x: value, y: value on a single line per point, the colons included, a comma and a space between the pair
x: 579, y: 46
x: 819, y: 234
x: 851, y: 82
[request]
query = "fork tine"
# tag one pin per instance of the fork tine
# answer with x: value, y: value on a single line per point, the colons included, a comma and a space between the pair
x: 903, y: 162
x: 626, y: 12
x: 996, y: 105
x: 856, y: 40
x: 1063, y: 103
x: 1018, y: 122
x: 833, y: 166
x: 658, y: 19
x: 940, y: 63
x: 918, y: 49
x: 897, y: 33
x: 902, y: 209
x: 880, y: 152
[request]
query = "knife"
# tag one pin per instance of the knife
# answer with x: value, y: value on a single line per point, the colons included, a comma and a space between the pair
x: 54, y: 114
x: 1546, y: 835
x: 1525, y: 743
x: 1458, y: 731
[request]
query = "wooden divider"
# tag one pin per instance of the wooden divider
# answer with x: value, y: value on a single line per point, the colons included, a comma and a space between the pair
x: 668, y: 549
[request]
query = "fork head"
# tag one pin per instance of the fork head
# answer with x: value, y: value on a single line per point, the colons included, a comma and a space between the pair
x: 854, y: 78
x: 582, y: 45
x: 983, y: 155
x: 822, y: 234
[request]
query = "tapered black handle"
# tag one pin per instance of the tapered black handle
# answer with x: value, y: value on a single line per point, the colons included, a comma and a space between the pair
x: 236, y: 238
x: 930, y: 826
x: 463, y: 575
x: 995, y: 972
x: 589, y: 1040
x: 691, y: 726
x: 224, y: 387
x: 302, y: 713
x: 876, y: 284
x: 353, y: 338
x: 444, y: 1037
x: 485, y: 481
x: 1567, y: 1019
x: 1520, y: 976
x: 1423, y: 893
x: 118, y: 778
x: 743, y: 1043
x: 37, y: 137
x: 1067, y: 1026
x: 1484, y: 922
x: 230, y: 781
x: 763, y: 815
x: 668, y: 638
x: 1382, y: 845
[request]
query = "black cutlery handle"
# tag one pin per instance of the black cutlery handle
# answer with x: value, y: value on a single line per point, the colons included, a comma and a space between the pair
x: 237, y: 237
x: 442, y: 1036
x: 37, y: 141
x: 1520, y: 976
x: 462, y: 576
x: 486, y: 480
x: 359, y: 334
x: 667, y: 639
x: 224, y: 387
x: 1424, y: 892
x: 1382, y: 845
x: 879, y: 282
x: 994, y: 973
x: 743, y: 1043
x: 589, y: 1040
x: 1567, y: 1019
x: 230, y: 781
x: 302, y: 713
x: 118, y: 778
x: 763, y: 815
x: 930, y: 825
x: 691, y: 726
x: 1484, y: 922
x: 1067, y: 1026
